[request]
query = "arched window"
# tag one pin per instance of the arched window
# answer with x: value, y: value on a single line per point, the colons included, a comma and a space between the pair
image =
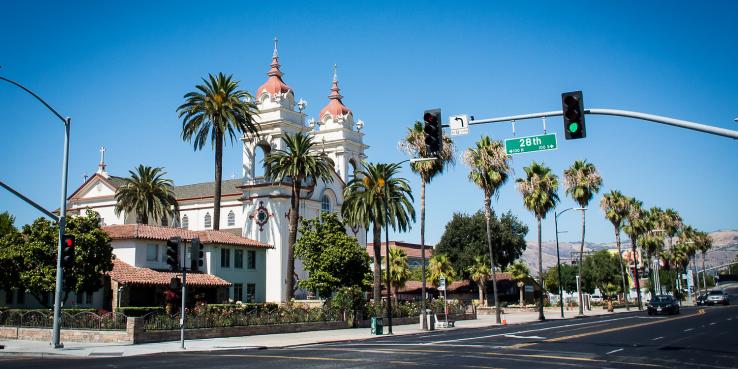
x: 260, y: 152
x: 325, y: 203
x: 352, y: 169
x: 208, y: 220
x: 231, y: 218
x: 185, y: 222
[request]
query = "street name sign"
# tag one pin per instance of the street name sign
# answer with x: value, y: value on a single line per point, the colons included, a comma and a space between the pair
x: 520, y: 145
x: 459, y: 124
x: 442, y: 284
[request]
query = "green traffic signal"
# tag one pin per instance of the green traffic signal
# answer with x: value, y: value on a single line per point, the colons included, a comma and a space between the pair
x: 573, y: 127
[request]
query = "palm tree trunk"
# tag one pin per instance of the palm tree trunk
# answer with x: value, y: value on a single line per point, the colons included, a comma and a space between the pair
x: 480, y: 286
x: 581, y: 253
x: 540, y: 272
x: 522, y: 297
x: 487, y: 216
x: 377, y: 262
x: 635, y: 271
x: 292, y: 238
x: 218, y: 179
x: 626, y: 290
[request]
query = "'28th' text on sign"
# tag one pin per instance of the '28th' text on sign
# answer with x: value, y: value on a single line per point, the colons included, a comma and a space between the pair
x: 519, y: 145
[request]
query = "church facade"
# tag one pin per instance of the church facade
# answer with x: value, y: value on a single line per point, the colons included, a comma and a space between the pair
x: 253, y: 206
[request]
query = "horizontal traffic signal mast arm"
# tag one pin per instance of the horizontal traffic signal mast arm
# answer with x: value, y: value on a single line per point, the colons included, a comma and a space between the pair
x: 619, y: 113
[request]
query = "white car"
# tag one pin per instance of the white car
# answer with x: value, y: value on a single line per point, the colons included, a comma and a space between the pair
x: 595, y: 298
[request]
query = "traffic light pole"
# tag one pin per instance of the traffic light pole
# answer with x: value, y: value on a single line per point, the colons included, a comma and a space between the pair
x: 619, y: 113
x: 183, y: 312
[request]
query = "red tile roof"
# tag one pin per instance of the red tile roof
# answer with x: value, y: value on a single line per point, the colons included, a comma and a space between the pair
x: 149, y: 232
x: 128, y: 274
x: 411, y: 249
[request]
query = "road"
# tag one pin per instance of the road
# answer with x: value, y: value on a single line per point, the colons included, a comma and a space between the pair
x: 697, y: 338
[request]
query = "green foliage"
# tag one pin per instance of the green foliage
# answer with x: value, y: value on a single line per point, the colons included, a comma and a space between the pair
x: 332, y: 258
x: 582, y: 181
x: 600, y: 270
x: 399, y: 269
x: 539, y: 189
x: 147, y: 194
x: 568, y: 278
x: 6, y: 223
x: 138, y: 311
x: 350, y: 301
x: 519, y: 270
x: 439, y: 266
x: 465, y: 238
x: 29, y: 256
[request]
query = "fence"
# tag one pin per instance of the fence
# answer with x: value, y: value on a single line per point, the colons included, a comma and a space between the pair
x: 84, y: 320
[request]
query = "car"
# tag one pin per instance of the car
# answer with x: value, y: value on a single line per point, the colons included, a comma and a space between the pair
x: 717, y: 297
x: 663, y: 304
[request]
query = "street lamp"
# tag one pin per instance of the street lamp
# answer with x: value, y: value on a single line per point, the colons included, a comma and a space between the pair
x: 558, y: 259
x: 56, y: 333
x: 655, y: 266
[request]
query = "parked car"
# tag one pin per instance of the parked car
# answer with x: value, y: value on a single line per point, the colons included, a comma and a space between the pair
x: 595, y: 298
x: 663, y: 304
x: 702, y: 299
x: 717, y: 297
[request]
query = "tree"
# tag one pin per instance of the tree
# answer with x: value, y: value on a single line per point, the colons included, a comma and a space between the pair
x: 539, y: 196
x: 615, y: 207
x: 568, y: 278
x: 652, y: 241
x: 399, y: 269
x: 582, y: 181
x: 147, y: 194
x: 218, y: 108
x: 33, y: 252
x: 332, y: 258
x: 636, y: 226
x: 441, y: 266
x: 519, y: 272
x: 6, y: 223
x: 600, y: 270
x: 703, y: 243
x: 465, y: 238
x: 374, y: 195
x: 414, y: 145
x: 479, y: 272
x: 490, y: 167
x: 297, y: 162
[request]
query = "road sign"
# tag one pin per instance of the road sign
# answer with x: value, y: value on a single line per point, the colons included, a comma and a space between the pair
x: 459, y: 124
x: 520, y: 145
x: 442, y: 283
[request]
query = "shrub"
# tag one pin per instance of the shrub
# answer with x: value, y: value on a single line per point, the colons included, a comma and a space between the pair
x: 139, y: 311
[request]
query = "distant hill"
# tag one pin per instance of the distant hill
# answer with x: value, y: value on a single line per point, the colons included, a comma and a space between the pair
x: 721, y: 238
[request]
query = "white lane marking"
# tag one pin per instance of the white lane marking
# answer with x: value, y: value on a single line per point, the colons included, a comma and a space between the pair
x: 688, y: 329
x: 729, y: 319
x: 712, y: 323
x: 525, y: 331
x: 657, y: 338
x: 613, y: 351
x: 524, y: 337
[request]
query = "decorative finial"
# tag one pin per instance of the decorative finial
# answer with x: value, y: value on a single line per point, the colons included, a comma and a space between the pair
x: 275, y: 47
x: 335, y: 74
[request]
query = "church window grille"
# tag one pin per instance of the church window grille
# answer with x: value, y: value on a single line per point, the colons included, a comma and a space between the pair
x: 325, y: 204
x: 231, y: 218
x: 208, y: 220
x: 185, y: 222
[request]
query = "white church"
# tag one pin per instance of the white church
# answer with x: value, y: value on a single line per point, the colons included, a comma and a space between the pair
x: 252, y: 207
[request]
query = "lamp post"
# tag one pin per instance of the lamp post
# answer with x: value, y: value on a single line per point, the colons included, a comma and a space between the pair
x: 62, y: 221
x: 558, y: 258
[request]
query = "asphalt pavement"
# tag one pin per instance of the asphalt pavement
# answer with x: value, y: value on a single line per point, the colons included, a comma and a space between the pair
x: 697, y: 338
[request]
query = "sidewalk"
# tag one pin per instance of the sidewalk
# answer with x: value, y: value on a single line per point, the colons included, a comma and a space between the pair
x: 42, y: 348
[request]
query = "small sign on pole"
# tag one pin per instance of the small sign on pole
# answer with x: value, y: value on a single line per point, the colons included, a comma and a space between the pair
x: 442, y: 283
x: 459, y: 124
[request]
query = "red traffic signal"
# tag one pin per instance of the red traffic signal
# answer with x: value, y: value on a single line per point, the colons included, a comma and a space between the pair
x: 67, y: 256
x: 432, y: 130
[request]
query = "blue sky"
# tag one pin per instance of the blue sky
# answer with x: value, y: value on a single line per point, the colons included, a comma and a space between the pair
x: 120, y: 70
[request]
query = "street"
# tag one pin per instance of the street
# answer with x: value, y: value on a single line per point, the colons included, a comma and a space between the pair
x: 696, y: 338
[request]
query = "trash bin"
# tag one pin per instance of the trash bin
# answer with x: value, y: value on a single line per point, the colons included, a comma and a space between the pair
x: 377, y: 326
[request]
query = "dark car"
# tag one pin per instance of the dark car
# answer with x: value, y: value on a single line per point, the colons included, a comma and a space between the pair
x: 663, y: 304
x: 717, y: 297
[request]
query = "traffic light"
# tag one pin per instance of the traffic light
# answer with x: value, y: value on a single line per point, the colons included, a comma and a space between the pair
x: 198, y: 253
x: 573, y: 109
x: 173, y: 253
x: 67, y: 258
x: 433, y: 131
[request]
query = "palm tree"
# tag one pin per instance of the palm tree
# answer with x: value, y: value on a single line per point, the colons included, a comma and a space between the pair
x: 490, y: 168
x: 374, y: 195
x: 218, y: 108
x: 147, y: 194
x: 635, y: 227
x: 479, y: 272
x: 615, y: 206
x: 519, y: 272
x: 539, y: 196
x: 297, y: 162
x: 671, y: 222
x: 441, y: 266
x: 703, y: 243
x: 652, y: 241
x: 399, y: 268
x: 582, y: 181
x: 414, y: 146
